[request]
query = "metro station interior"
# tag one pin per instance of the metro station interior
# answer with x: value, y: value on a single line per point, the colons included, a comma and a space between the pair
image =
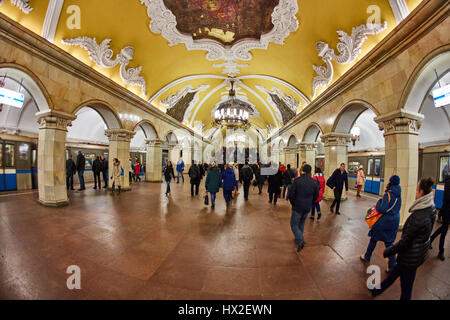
x: 360, y: 82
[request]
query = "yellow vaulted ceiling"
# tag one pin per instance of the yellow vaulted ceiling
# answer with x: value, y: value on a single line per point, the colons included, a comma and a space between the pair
x: 165, y: 68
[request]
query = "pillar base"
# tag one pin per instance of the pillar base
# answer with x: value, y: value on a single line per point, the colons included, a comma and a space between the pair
x: 54, y: 204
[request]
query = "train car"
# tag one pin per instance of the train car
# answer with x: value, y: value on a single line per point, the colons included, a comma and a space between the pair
x: 90, y: 153
x: 18, y: 165
x: 320, y: 162
x: 142, y: 157
x: 373, y: 164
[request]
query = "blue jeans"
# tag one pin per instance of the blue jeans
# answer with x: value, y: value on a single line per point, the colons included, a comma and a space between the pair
x: 213, y: 197
x: 371, y: 247
x: 298, y: 225
x: 168, y: 187
x: 81, y: 178
x: 180, y: 173
x: 227, y: 195
x: 315, y: 206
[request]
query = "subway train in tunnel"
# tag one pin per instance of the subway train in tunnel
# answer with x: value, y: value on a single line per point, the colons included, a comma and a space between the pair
x: 18, y: 165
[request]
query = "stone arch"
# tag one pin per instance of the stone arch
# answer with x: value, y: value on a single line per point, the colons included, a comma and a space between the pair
x: 105, y: 110
x: 292, y: 141
x: 349, y: 113
x: 312, y: 133
x: 171, y: 138
x: 148, y: 128
x: 423, y: 79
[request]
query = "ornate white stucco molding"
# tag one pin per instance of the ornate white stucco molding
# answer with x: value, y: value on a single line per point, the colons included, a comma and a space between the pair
x: 173, y: 99
x: 288, y: 100
x: 21, y: 4
x: 51, y: 19
x: 275, y: 91
x: 349, y: 48
x: 400, y: 9
x: 164, y: 22
x: 102, y: 56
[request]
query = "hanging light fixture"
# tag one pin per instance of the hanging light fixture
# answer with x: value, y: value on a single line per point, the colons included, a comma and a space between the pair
x: 233, y: 112
x: 356, y: 133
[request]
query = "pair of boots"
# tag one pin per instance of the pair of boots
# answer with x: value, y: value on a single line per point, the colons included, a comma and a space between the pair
x: 113, y: 189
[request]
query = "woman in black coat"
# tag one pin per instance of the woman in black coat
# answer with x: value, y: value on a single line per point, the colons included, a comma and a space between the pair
x: 412, y: 249
x: 168, y: 175
x: 275, y: 183
x: 445, y: 214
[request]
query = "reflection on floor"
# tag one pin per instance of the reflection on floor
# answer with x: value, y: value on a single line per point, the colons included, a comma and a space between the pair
x: 142, y: 245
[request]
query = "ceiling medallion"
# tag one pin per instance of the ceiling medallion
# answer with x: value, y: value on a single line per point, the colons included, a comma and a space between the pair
x: 21, y: 4
x: 223, y: 35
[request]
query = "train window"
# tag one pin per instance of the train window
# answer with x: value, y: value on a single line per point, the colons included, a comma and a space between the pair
x: 9, y: 155
x: 444, y: 168
x: 369, y: 167
x: 23, y: 151
x: 377, y: 168
x: 353, y: 166
x: 33, y: 158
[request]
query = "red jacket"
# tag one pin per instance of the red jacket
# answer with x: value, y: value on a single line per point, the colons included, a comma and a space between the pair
x: 137, y: 168
x: 321, y: 180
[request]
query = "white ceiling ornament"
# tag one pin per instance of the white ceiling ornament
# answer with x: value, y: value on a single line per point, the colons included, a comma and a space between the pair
x: 272, y: 103
x: 102, y: 56
x: 173, y: 99
x: 349, y: 48
x: 21, y: 4
x: 164, y: 22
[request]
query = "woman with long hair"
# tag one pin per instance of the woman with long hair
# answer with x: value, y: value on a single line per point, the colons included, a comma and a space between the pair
x: 168, y: 175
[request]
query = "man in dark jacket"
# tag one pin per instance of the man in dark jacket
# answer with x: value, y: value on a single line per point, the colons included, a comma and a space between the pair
x: 97, y: 168
x: 246, y: 176
x: 303, y: 192
x: 81, y: 164
x: 195, y: 175
x: 445, y: 214
x: 104, y: 170
x: 275, y: 182
x: 260, y: 179
x: 288, y: 177
x: 336, y: 182
x: 70, y: 171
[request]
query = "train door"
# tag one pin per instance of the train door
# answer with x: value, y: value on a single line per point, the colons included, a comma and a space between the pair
x: 34, y: 172
x: 7, y: 166
x: 23, y: 166
x: 373, y: 175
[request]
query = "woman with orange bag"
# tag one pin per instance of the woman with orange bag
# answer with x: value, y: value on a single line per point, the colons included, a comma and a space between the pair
x: 386, y: 228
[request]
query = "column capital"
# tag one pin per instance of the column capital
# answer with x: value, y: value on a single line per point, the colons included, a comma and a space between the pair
x: 154, y: 142
x: 290, y: 149
x: 400, y: 122
x: 52, y: 119
x: 119, y: 134
x: 307, y: 146
x: 336, y: 139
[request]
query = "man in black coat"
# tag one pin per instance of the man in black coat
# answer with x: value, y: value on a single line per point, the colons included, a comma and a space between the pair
x: 70, y: 171
x: 195, y: 175
x: 81, y: 165
x: 260, y: 179
x: 246, y: 176
x: 275, y: 182
x: 445, y: 214
x: 288, y: 177
x: 104, y: 170
x: 97, y: 168
x: 336, y: 182
x: 303, y: 192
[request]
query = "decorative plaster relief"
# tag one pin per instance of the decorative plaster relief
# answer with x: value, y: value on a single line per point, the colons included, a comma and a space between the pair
x: 349, y: 48
x: 102, y: 56
x: 285, y: 106
x: 164, y: 22
x: 21, y: 4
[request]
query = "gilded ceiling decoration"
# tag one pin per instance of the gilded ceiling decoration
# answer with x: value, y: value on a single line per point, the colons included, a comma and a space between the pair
x: 21, y: 4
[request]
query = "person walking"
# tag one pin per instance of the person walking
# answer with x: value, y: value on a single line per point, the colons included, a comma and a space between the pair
x: 260, y: 179
x: 180, y: 170
x: 195, y: 176
x: 288, y: 177
x: 96, y: 169
x: 275, y: 182
x: 412, y: 248
x: 229, y: 183
x: 168, y: 175
x: 246, y: 176
x: 445, y: 214
x: 386, y: 228
x: 360, y: 178
x: 235, y: 167
x: 318, y: 176
x: 303, y: 192
x: 70, y: 171
x: 137, y: 171
x: 213, y: 182
x: 116, y: 177
x: 336, y: 182
x: 81, y: 165
x: 131, y: 171
x: 104, y: 170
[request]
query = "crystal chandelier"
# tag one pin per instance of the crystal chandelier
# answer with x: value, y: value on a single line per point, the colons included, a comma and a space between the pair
x: 233, y: 112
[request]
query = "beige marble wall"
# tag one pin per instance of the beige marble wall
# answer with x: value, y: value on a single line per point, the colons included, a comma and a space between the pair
x: 290, y: 157
x: 119, y: 147
x: 52, y: 158
x: 154, y: 161
x: 307, y: 152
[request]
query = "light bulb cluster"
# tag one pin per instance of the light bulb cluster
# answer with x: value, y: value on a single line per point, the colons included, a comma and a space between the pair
x: 231, y: 115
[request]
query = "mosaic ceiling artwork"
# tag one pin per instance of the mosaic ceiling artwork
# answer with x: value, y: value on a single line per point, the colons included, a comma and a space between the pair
x: 226, y: 21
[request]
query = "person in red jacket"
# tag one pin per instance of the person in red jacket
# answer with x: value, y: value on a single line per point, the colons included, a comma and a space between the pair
x: 137, y: 170
x: 316, y: 205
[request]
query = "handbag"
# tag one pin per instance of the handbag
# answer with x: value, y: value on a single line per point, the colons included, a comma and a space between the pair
x: 206, y: 200
x: 373, y: 215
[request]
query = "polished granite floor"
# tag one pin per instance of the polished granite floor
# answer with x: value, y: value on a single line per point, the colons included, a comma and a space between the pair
x: 142, y: 245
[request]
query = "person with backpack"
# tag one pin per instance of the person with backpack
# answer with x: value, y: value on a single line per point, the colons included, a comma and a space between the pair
x: 117, y: 174
x: 386, y: 228
x: 213, y: 182
x: 336, y: 182
x: 412, y: 248
x: 96, y: 169
x: 288, y: 177
x: 168, y: 175
x: 195, y: 176
x: 318, y: 176
x: 229, y: 183
x: 246, y: 177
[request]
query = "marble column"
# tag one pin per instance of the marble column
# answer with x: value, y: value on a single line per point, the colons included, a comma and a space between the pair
x: 174, y: 153
x: 187, y: 157
x: 52, y: 157
x: 336, y: 152
x: 401, y: 134
x: 290, y: 156
x: 119, y: 147
x: 307, y: 152
x: 153, y: 168
x: 282, y: 156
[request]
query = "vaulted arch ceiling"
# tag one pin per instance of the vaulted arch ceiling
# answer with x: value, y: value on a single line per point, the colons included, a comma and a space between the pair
x: 179, y: 60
